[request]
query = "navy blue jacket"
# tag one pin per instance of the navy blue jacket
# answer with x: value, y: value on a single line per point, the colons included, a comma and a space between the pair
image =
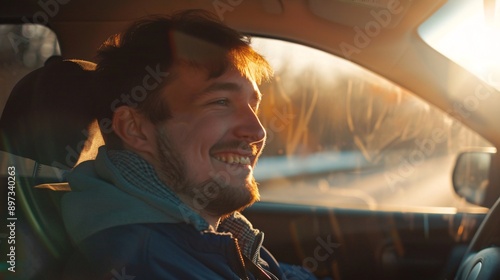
x: 127, y: 225
x: 164, y: 251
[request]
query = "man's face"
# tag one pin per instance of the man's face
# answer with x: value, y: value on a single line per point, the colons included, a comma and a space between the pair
x: 210, y: 145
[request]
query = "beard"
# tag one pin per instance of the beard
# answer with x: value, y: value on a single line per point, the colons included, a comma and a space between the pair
x: 215, y: 196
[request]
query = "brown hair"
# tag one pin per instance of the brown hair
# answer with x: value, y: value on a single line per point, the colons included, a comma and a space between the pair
x: 152, y: 46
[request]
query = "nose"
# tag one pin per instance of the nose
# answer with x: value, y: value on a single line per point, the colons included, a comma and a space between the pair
x: 249, y: 126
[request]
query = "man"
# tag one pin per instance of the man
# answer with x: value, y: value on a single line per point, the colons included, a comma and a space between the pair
x: 179, y: 118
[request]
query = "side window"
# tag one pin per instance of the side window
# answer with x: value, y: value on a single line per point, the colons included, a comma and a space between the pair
x: 340, y: 135
x: 23, y: 48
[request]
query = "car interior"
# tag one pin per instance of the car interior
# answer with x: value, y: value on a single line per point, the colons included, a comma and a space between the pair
x: 47, y: 128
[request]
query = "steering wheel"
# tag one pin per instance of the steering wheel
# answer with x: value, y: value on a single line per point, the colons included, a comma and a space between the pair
x: 482, y: 259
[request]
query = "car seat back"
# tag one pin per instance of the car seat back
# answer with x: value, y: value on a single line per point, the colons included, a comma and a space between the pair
x: 47, y: 119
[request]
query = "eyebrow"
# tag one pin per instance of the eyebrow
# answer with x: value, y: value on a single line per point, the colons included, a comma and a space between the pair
x: 222, y: 86
x: 226, y: 87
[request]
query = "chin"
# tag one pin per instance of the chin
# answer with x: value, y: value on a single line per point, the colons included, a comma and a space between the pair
x: 232, y: 198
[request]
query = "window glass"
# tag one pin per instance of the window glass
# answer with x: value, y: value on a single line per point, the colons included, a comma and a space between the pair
x: 467, y: 33
x: 23, y: 48
x: 339, y: 135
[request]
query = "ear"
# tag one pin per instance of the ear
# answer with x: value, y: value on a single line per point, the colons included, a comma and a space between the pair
x: 135, y: 130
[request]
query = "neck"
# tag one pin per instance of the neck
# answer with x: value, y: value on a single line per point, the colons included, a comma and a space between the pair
x: 212, y: 220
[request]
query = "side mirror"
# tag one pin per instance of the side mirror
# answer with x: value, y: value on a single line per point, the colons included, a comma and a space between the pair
x: 471, y: 175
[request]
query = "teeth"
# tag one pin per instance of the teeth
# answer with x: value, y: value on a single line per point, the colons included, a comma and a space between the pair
x: 234, y: 159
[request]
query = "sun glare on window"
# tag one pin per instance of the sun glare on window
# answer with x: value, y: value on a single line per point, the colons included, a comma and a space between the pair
x: 468, y: 35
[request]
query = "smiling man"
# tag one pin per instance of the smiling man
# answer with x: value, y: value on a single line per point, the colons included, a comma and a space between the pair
x: 209, y: 147
x: 178, y: 111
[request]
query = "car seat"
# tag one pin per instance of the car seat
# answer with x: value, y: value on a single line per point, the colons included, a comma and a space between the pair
x: 44, y: 128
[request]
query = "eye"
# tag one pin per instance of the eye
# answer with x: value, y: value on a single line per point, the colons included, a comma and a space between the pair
x: 223, y: 102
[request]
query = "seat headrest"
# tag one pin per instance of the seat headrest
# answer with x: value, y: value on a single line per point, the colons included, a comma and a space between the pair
x: 48, y: 113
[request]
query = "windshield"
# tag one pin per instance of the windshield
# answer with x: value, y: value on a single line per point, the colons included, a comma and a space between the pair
x: 467, y: 32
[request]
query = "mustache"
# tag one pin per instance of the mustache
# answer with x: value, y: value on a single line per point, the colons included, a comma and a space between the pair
x: 239, y: 146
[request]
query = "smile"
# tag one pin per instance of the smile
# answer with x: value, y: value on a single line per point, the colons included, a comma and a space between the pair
x: 233, y: 159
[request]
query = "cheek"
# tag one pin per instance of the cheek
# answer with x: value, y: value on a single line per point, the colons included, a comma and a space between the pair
x: 195, y: 144
x: 194, y: 139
